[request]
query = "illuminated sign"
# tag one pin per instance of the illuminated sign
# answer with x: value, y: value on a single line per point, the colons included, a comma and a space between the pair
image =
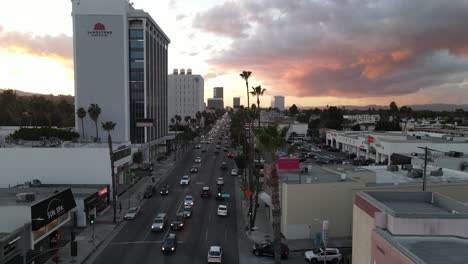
x: 103, y: 191
x: 99, y: 30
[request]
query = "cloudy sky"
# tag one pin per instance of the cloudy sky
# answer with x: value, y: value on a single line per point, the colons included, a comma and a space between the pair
x: 315, y: 52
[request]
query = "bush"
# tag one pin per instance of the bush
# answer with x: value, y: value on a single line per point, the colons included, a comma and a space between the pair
x: 35, y: 134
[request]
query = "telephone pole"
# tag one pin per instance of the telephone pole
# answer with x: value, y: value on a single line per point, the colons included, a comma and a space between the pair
x: 426, y: 150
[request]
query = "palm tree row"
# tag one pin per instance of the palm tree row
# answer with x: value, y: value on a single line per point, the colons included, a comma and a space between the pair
x: 93, y: 111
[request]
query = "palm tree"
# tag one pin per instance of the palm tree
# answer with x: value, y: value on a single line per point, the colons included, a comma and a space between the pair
x: 109, y: 126
x: 246, y: 75
x: 270, y: 139
x: 81, y: 113
x: 258, y: 91
x: 172, y: 120
x: 198, y: 116
x: 187, y: 119
x: 94, y: 111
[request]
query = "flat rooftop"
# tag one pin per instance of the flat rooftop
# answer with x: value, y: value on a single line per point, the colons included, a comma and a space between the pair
x: 315, y: 175
x: 430, y: 249
x: 416, y: 204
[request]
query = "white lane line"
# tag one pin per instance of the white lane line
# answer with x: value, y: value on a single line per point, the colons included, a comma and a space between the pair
x: 141, y: 242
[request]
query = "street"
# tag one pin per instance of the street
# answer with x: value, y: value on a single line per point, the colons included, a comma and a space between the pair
x: 135, y: 243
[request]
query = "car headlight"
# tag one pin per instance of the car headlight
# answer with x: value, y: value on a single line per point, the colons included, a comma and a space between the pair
x: 160, y: 227
x: 181, y: 224
x: 173, y: 248
x: 172, y: 224
x: 162, y: 248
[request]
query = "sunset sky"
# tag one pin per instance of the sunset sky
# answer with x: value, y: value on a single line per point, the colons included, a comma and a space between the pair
x: 315, y: 52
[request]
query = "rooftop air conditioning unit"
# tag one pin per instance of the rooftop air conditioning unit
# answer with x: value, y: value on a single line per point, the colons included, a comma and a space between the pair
x: 25, y: 197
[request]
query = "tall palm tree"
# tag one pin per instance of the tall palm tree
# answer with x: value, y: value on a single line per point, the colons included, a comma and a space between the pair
x: 109, y: 126
x: 246, y: 75
x: 258, y: 91
x: 94, y: 111
x: 187, y: 119
x: 81, y: 113
x: 270, y: 139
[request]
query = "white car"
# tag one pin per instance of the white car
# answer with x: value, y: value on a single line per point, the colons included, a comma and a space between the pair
x: 222, y: 210
x: 185, y: 180
x: 215, y: 254
x: 220, y: 181
x: 318, y: 255
x: 197, y: 160
x: 132, y: 213
x: 188, y: 200
x: 234, y: 172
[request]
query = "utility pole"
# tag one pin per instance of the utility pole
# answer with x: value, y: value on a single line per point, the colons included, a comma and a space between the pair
x: 424, y: 178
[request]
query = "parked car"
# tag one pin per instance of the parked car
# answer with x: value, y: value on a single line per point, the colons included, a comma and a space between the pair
x: 165, y: 190
x: 205, y: 192
x: 185, y: 180
x: 266, y: 249
x: 159, y: 222
x: 318, y: 255
x: 169, y: 244
x: 222, y: 210
x: 132, y: 213
x: 215, y: 254
x: 177, y: 222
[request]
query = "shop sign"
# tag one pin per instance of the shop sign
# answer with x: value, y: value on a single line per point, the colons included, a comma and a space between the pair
x: 48, y: 210
x: 103, y: 191
x: 91, y: 202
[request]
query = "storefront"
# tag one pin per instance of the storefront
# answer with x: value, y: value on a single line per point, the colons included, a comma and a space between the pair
x: 96, y: 202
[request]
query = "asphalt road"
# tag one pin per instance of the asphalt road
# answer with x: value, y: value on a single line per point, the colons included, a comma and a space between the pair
x: 135, y: 243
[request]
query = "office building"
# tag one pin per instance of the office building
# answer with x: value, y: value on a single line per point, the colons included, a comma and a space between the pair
x: 218, y: 92
x: 215, y: 103
x: 235, y: 102
x: 409, y: 227
x: 120, y: 60
x: 186, y: 93
x: 278, y: 102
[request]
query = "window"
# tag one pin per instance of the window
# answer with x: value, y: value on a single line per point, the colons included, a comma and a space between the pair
x: 136, y: 64
x: 136, y: 34
x: 136, y: 44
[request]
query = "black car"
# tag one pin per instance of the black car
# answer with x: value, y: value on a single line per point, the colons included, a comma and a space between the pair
x: 194, y: 169
x: 204, y: 150
x: 223, y: 165
x: 149, y: 191
x: 187, y: 211
x: 165, y: 190
x: 177, y: 222
x: 266, y: 248
x: 169, y: 244
x: 205, y: 192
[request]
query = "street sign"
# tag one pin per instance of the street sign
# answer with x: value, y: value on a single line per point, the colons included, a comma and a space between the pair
x: 225, y: 195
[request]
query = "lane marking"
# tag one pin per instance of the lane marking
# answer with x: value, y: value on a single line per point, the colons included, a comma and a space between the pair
x: 141, y: 242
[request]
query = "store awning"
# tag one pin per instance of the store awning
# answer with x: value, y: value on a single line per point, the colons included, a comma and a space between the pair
x: 265, y: 198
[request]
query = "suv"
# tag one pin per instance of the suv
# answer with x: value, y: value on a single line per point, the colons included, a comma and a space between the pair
x: 318, y: 255
x: 215, y: 254
x: 177, y: 222
x: 185, y: 180
x: 149, y: 191
x: 205, y: 192
x: 159, y: 222
x: 266, y: 248
x: 169, y: 245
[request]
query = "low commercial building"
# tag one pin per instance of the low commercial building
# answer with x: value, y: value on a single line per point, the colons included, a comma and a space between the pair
x: 362, y: 119
x: 409, y: 227
x: 327, y: 193
x: 380, y: 146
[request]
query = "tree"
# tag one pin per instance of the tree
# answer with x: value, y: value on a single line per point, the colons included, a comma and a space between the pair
x: 137, y: 158
x: 109, y: 126
x: 172, y: 120
x: 81, y: 113
x: 293, y: 110
x: 187, y: 119
x: 271, y: 139
x: 246, y: 75
x: 198, y: 116
x: 94, y: 111
x: 394, y: 112
x: 258, y: 91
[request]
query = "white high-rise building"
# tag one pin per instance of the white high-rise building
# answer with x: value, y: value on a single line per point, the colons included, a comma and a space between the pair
x: 278, y: 102
x: 186, y: 93
x: 120, y: 64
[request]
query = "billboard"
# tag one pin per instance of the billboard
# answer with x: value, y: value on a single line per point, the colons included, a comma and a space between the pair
x: 288, y: 164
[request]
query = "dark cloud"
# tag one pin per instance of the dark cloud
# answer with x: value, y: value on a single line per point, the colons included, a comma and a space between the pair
x: 348, y: 48
x: 226, y: 19
x: 48, y: 46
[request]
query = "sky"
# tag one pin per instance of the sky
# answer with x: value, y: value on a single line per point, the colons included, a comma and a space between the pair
x: 314, y: 52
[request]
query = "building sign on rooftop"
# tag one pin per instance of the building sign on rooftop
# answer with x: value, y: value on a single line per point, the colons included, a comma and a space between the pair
x: 99, y: 30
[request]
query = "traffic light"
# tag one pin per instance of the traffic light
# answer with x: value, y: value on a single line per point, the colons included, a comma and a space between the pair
x: 92, y: 218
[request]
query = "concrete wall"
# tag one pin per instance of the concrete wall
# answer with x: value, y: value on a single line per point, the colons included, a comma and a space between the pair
x: 363, y: 224
x: 14, y: 217
x: 54, y: 165
x: 382, y: 252
x: 425, y: 226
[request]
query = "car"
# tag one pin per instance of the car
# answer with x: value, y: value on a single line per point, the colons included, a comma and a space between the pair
x: 169, y: 244
x: 222, y: 210
x: 194, y: 169
x: 219, y: 193
x: 216, y: 151
x: 159, y: 222
x: 188, y: 200
x: 234, y: 172
x: 197, y: 160
x: 204, y: 150
x: 220, y: 181
x: 266, y: 248
x: 185, y: 180
x: 218, y: 146
x: 318, y: 255
x: 177, y: 222
x: 165, y: 190
x: 223, y: 165
x: 197, y: 146
x: 187, y: 211
x: 215, y: 254
x: 230, y: 155
x: 205, y: 192
x: 132, y: 213
x: 225, y: 149
x: 149, y: 191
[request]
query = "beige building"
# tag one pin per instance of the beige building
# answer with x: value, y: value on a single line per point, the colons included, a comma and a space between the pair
x: 327, y: 193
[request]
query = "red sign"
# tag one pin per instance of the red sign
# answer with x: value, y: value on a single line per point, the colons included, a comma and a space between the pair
x: 370, y: 139
x: 248, y: 193
x: 288, y: 164
x: 103, y: 191
x: 99, y: 26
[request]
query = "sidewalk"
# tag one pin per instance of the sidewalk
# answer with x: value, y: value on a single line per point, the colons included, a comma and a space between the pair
x: 104, y: 228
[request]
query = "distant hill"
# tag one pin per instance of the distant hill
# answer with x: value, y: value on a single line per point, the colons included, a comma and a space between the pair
x: 431, y: 107
x: 68, y: 98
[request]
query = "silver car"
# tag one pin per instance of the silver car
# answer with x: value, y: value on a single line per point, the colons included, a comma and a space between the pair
x: 159, y: 222
x: 188, y: 200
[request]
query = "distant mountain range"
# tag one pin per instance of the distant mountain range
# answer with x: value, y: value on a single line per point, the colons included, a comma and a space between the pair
x: 68, y: 98
x: 431, y: 107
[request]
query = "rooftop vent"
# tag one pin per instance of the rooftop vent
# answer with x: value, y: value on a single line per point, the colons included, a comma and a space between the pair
x: 176, y: 71
x: 25, y: 197
x: 182, y: 71
x: 189, y: 71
